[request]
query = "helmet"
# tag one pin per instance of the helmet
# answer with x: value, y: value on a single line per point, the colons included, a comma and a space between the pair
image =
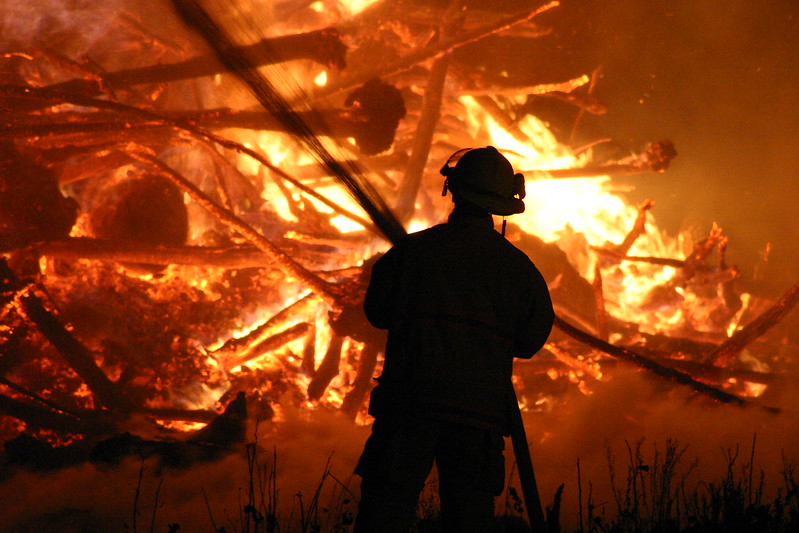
x: 483, y: 177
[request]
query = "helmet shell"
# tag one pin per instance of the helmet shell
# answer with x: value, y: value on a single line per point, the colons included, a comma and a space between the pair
x: 485, y: 178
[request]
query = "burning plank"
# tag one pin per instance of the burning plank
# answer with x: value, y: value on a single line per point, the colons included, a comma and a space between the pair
x: 322, y: 46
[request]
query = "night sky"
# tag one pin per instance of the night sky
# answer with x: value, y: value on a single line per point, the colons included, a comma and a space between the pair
x: 721, y: 81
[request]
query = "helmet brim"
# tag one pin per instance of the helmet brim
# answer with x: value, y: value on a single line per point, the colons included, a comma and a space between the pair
x: 493, y: 203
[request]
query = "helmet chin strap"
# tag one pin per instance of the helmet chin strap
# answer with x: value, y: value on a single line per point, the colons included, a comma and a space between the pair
x: 504, y: 225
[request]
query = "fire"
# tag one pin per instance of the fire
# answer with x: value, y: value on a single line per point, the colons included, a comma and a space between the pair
x: 186, y: 325
x: 559, y: 209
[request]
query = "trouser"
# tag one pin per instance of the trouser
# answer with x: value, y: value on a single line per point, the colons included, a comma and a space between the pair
x: 399, y: 455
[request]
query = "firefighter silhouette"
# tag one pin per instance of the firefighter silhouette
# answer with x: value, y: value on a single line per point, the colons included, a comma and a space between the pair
x: 459, y: 302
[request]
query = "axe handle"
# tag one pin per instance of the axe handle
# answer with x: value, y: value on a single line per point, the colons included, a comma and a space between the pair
x: 524, y: 464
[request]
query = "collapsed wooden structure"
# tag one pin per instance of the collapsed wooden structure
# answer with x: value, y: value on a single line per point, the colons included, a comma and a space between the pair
x: 110, y: 155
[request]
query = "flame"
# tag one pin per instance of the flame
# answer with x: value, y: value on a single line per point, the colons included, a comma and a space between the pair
x: 321, y: 79
x: 576, y: 214
x: 559, y: 209
x: 347, y: 8
x: 553, y: 206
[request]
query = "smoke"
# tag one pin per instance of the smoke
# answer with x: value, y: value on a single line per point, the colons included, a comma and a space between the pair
x: 719, y: 81
x: 630, y: 408
x: 633, y: 407
x: 301, y: 449
x: 716, y: 79
x: 69, y: 27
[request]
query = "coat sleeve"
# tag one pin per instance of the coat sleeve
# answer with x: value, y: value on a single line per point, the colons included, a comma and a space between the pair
x: 380, y: 301
x: 537, y: 325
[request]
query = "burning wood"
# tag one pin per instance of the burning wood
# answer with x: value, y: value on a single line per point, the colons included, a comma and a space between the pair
x: 656, y: 158
x: 322, y: 46
x: 75, y: 353
x: 31, y: 206
x: 371, y: 116
x: 664, y: 372
x: 434, y: 50
x: 259, y: 292
x: 756, y: 328
x: 272, y: 343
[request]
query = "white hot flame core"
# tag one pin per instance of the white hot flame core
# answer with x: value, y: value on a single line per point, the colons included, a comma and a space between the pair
x: 578, y: 213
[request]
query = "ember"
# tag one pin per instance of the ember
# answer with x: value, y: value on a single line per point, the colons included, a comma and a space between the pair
x: 170, y: 254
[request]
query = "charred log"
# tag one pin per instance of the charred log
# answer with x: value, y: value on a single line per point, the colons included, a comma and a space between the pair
x: 29, y: 453
x: 667, y: 373
x: 42, y: 417
x: 147, y: 209
x: 362, y: 384
x: 371, y: 116
x: 323, y: 46
x: 724, y: 353
x: 328, y: 369
x: 208, y: 444
x: 77, y: 356
x: 657, y: 158
x: 227, y: 428
x: 32, y: 208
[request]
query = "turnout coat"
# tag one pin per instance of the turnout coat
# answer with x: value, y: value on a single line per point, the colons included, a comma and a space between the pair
x: 459, y: 302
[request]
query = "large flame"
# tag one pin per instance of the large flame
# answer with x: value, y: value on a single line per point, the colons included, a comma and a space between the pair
x: 557, y: 210
x: 579, y: 215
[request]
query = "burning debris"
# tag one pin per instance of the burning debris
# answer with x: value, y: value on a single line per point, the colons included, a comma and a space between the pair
x: 168, y: 250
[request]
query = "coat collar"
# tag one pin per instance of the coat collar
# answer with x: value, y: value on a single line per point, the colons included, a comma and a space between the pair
x: 470, y: 220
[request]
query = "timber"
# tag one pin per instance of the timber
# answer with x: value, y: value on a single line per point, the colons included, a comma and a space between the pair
x: 322, y: 46
x: 757, y: 327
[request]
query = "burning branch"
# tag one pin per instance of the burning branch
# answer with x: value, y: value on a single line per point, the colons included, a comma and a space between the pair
x: 325, y: 290
x: 601, y: 312
x: 322, y: 46
x: 670, y: 374
x: 37, y: 397
x: 693, y: 266
x: 695, y: 262
x: 129, y: 252
x: 435, y: 50
x: 42, y: 417
x: 75, y: 353
x: 618, y: 257
x: 363, y: 380
x: 371, y: 115
x: 638, y: 229
x: 431, y: 111
x: 241, y: 345
x: 657, y: 158
x: 78, y: 356
x: 757, y: 327
x: 272, y: 343
x: 328, y: 368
